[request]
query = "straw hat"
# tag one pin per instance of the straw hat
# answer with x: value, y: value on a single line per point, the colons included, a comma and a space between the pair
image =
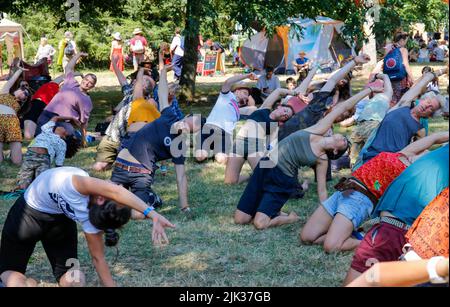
x: 117, y: 36
x: 68, y: 34
x: 137, y: 31
x: 302, y: 53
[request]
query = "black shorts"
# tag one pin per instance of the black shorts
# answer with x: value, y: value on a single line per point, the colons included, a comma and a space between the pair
x: 25, y: 226
x: 267, y: 191
x: 37, y: 106
x: 216, y: 139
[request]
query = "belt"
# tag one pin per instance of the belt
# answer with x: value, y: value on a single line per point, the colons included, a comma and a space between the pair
x: 388, y: 220
x: 353, y: 184
x: 39, y: 150
x: 132, y: 169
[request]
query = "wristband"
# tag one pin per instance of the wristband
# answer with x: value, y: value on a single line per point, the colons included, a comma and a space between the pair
x: 431, y: 268
x: 148, y: 210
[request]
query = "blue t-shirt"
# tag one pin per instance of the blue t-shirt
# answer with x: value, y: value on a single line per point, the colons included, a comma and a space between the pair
x: 300, y: 61
x: 394, y: 133
x: 416, y: 187
x: 153, y: 142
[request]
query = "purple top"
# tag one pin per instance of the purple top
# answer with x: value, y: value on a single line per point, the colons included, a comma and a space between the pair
x: 70, y: 101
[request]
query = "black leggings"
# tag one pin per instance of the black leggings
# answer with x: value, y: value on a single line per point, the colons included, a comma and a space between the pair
x: 25, y: 226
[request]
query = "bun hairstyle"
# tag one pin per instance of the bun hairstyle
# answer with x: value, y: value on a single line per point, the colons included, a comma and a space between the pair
x: 109, y: 217
x: 332, y: 156
x: 399, y: 36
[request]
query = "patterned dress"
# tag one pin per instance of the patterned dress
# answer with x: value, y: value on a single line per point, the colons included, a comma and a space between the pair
x: 9, y: 123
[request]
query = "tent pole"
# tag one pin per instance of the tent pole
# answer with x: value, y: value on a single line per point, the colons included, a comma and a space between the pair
x: 21, y: 46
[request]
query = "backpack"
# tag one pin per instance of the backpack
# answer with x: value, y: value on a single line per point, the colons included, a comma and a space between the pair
x: 69, y: 50
x: 138, y: 46
x: 393, y: 65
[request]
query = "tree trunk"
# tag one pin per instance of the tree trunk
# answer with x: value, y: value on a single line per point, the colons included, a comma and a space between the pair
x: 191, y: 32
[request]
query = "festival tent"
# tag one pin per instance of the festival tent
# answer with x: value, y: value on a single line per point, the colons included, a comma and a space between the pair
x: 320, y: 39
x: 11, y: 34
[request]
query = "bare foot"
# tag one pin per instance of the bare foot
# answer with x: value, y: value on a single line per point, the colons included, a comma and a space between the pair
x: 293, y: 217
x: 305, y: 185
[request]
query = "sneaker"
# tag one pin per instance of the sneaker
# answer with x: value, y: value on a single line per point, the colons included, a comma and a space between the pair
x: 358, y: 235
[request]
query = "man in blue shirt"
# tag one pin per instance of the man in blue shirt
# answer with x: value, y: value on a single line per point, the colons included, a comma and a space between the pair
x: 301, y: 64
x: 157, y: 141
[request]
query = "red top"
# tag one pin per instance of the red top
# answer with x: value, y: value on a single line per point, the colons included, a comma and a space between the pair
x: 46, y: 92
x: 379, y: 172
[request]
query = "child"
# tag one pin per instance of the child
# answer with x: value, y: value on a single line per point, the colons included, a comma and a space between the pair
x: 433, y: 86
x: 424, y: 54
x: 291, y: 84
x: 52, y: 144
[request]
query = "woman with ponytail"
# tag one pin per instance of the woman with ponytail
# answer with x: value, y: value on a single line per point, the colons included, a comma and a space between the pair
x: 48, y: 212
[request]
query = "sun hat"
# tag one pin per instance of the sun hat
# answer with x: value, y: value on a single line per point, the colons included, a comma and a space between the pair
x: 117, y: 36
x: 137, y: 31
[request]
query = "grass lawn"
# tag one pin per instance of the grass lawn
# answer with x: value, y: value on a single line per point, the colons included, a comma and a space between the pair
x: 208, y: 250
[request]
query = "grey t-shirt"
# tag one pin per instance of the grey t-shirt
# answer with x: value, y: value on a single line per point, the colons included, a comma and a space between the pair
x: 294, y: 152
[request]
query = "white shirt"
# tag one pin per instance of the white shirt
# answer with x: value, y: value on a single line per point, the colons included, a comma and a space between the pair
x: 225, y: 113
x: 53, y: 192
x: 56, y: 147
x: 272, y: 84
x: 176, y: 45
x: 46, y: 51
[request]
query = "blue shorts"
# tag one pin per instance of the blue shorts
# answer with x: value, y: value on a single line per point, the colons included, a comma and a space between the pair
x: 267, y: 191
x: 354, y: 205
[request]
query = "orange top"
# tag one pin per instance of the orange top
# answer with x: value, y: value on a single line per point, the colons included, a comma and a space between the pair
x: 142, y: 111
x: 429, y: 234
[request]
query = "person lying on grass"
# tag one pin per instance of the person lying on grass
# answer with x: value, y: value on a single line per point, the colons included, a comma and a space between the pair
x: 136, y: 163
x: 336, y: 219
x: 275, y: 177
x: 48, y: 212
x: 250, y: 143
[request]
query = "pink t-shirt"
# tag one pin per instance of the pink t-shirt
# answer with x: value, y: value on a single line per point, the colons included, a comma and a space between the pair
x: 138, y: 37
x: 70, y: 101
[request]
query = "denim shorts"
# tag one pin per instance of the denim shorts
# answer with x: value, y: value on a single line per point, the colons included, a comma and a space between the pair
x: 354, y: 205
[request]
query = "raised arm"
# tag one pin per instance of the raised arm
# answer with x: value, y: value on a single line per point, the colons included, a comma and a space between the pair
x: 119, y: 74
x: 341, y: 73
x: 418, y: 88
x: 182, y: 185
x: 226, y: 87
x: 70, y: 68
x: 425, y: 143
x: 275, y: 96
x: 405, y: 57
x: 303, y: 87
x: 163, y: 89
x: 138, y: 91
x: 327, y: 122
x: 8, y: 85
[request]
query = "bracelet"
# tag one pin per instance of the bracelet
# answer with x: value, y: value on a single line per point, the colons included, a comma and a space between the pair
x: 431, y: 268
x: 148, y: 210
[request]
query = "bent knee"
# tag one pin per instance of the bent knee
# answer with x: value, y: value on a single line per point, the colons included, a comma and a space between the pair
x: 261, y: 223
x: 73, y: 278
x: 307, y: 237
x: 331, y: 247
x: 241, y: 218
x: 221, y: 159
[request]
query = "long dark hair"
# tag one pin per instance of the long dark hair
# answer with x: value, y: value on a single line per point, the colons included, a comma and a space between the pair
x: 109, y: 217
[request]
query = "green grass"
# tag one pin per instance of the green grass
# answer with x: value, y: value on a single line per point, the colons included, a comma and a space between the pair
x: 209, y: 250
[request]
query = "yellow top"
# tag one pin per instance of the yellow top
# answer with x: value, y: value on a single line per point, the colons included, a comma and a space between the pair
x: 142, y: 111
x: 9, y: 101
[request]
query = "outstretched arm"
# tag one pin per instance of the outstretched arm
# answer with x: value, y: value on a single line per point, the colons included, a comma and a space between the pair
x: 399, y: 274
x: 226, y: 87
x: 275, y: 96
x: 119, y: 74
x: 97, y: 251
x: 70, y: 68
x: 418, y: 88
x: 327, y: 122
x: 138, y: 91
x: 341, y: 73
x: 11, y: 81
x: 388, y: 91
x: 303, y: 88
x: 163, y: 89
x: 425, y: 143
x: 182, y: 185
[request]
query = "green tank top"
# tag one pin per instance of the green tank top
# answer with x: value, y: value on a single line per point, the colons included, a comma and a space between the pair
x: 295, y: 152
